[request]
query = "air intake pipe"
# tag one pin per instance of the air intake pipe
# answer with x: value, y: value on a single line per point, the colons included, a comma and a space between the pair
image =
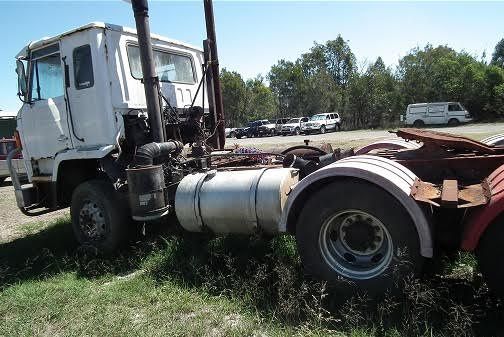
x: 146, y: 153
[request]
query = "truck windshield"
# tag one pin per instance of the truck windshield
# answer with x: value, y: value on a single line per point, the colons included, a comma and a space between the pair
x: 170, y: 67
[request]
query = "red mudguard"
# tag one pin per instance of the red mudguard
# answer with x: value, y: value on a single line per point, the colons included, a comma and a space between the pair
x: 482, y: 217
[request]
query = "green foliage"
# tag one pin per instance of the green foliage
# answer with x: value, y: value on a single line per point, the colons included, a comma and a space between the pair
x: 498, y: 54
x: 244, y: 101
x: 326, y: 79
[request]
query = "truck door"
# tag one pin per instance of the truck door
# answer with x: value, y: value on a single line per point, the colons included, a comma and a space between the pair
x: 436, y: 114
x: 43, y: 121
x: 88, y: 90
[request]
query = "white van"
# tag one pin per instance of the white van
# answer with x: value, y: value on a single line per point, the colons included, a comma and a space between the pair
x: 450, y: 113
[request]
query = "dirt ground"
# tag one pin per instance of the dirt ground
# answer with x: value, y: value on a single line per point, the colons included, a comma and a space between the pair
x: 13, y: 223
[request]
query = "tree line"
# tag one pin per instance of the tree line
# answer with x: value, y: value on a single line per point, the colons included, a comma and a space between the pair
x: 328, y: 79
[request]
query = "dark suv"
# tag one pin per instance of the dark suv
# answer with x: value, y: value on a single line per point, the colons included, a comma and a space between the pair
x: 251, y: 130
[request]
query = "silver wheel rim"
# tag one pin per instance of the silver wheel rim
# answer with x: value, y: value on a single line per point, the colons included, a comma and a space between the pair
x: 355, y: 244
x: 91, y: 221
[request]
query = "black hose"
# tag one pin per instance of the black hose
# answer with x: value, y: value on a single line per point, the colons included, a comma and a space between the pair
x: 146, y: 153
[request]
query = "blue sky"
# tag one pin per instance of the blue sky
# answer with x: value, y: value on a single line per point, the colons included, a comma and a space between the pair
x: 252, y: 36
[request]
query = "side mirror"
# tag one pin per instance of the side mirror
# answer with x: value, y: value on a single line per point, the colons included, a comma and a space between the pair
x: 22, y: 84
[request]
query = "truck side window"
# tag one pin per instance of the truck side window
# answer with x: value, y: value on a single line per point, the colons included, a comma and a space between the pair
x: 454, y: 107
x: 46, y: 74
x: 170, y: 67
x: 83, y: 67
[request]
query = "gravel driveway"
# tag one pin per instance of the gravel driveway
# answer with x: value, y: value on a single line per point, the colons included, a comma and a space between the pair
x: 348, y: 139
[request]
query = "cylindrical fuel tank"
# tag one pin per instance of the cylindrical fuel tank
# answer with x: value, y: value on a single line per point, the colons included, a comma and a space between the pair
x: 240, y: 201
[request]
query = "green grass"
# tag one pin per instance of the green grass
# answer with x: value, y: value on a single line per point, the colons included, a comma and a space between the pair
x: 180, y: 284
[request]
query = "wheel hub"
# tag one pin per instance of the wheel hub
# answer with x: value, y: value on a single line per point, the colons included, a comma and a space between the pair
x: 355, y: 244
x: 361, y: 235
x: 92, y: 221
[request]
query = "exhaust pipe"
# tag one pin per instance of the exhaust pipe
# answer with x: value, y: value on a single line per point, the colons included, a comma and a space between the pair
x: 149, y: 77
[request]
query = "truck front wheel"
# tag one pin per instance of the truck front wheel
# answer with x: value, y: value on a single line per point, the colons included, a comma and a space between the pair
x: 356, y: 231
x: 100, y: 218
x: 490, y: 258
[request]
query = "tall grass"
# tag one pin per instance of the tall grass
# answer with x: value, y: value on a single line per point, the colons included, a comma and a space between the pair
x: 199, y: 284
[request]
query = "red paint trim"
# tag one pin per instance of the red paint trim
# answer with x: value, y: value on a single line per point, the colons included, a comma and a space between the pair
x: 482, y: 217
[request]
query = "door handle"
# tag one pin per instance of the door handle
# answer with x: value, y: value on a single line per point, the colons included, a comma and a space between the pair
x: 62, y: 138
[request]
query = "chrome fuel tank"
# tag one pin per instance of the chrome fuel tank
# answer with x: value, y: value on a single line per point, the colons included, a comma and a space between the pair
x: 241, y: 201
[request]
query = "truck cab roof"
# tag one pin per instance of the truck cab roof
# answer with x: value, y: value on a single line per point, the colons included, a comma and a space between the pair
x: 23, y: 53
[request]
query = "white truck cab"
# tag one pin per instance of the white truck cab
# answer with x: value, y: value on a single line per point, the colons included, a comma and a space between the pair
x: 78, y: 86
x: 450, y: 113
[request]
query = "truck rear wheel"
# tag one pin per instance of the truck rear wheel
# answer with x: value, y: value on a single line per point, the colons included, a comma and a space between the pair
x: 489, y: 254
x: 100, y: 218
x: 356, y: 231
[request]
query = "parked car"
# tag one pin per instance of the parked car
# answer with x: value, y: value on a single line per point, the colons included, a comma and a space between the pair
x: 279, y: 123
x: 268, y: 128
x: 251, y: 130
x: 7, y: 144
x: 450, y: 113
x: 293, y: 126
x: 322, y: 122
x: 230, y: 132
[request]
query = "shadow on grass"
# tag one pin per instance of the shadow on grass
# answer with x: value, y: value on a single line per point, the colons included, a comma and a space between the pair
x: 266, y: 276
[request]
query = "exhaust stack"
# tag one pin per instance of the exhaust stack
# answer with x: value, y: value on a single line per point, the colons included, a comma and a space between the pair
x: 218, y: 139
x: 150, y: 79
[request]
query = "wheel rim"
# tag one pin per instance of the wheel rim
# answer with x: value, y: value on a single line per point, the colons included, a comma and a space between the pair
x: 355, y: 244
x: 91, y: 221
x: 297, y: 132
x: 322, y: 130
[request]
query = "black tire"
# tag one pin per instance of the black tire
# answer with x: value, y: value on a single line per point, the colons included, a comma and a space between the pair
x: 399, y: 249
x: 418, y: 123
x: 322, y: 129
x: 238, y: 137
x: 2, y: 179
x: 100, y: 198
x: 297, y: 131
x: 453, y: 122
x: 232, y: 134
x: 273, y: 133
x: 489, y: 254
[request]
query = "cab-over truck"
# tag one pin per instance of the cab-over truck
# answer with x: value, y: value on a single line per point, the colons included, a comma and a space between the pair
x: 106, y: 118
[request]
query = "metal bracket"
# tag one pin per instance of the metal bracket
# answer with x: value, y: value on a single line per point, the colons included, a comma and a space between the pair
x: 450, y: 194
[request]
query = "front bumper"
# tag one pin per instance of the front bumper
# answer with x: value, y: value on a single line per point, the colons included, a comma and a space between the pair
x: 305, y: 128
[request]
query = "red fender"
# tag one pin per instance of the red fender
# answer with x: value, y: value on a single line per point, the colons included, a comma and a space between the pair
x: 482, y: 217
